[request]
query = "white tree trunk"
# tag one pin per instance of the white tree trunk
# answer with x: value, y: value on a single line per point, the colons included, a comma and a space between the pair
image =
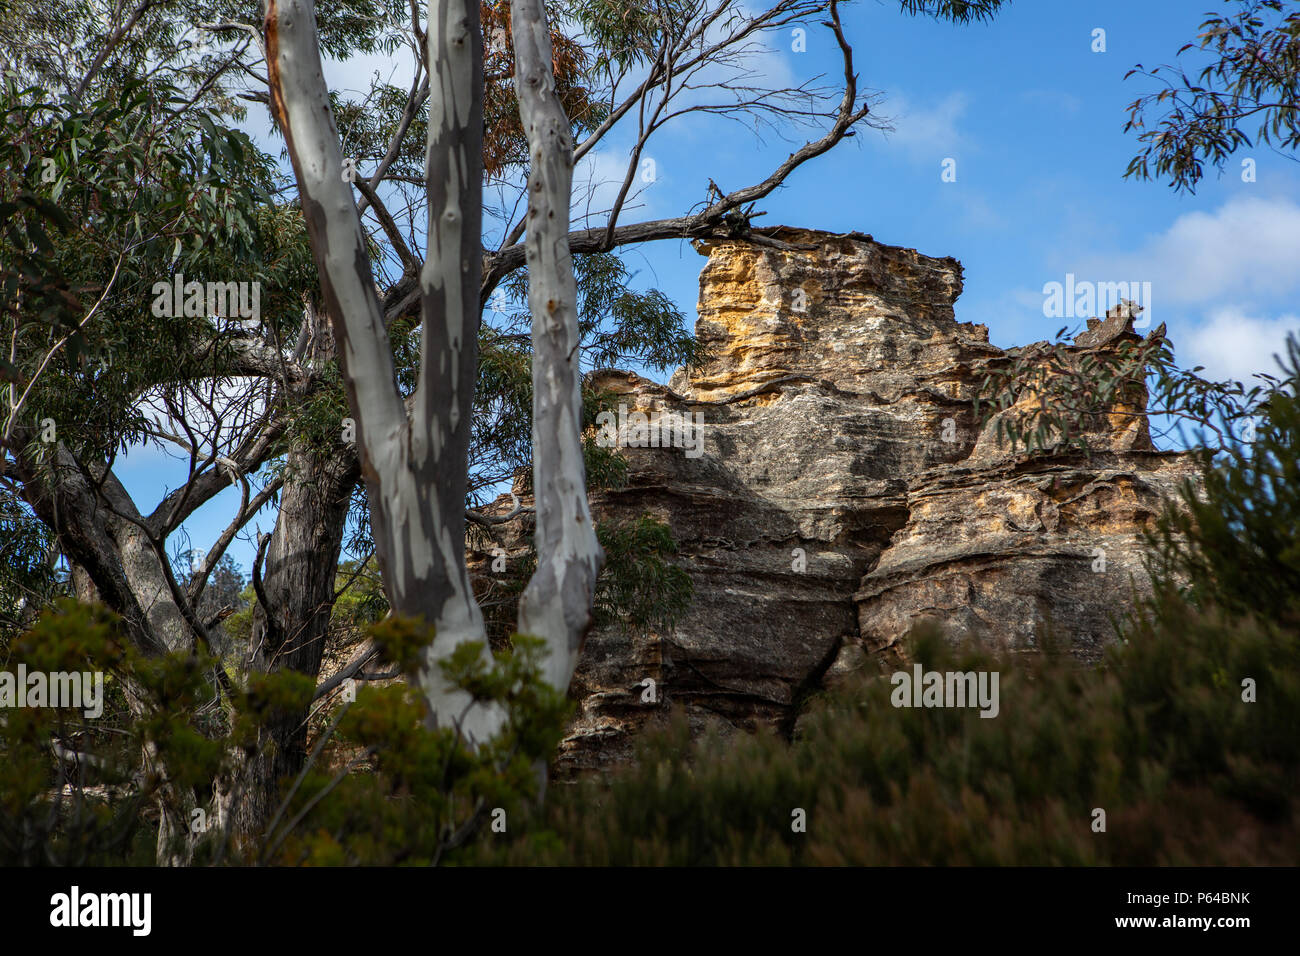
x: 556, y: 605
x: 416, y: 471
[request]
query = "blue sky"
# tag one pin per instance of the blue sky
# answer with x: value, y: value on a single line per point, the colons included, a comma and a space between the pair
x: 1034, y: 120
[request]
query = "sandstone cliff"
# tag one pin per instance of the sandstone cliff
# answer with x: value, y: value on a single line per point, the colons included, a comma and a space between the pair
x: 844, y: 493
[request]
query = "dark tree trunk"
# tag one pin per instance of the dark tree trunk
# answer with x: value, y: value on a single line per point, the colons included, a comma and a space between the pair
x: 301, y: 560
x: 112, y: 558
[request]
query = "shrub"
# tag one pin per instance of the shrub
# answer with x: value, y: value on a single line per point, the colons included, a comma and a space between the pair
x: 1185, y: 736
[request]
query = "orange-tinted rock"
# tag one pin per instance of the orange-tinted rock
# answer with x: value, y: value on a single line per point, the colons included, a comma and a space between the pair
x: 845, y: 493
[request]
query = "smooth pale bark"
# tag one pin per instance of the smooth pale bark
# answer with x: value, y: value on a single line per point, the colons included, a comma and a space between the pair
x: 444, y: 400
x: 415, y: 472
x: 556, y: 605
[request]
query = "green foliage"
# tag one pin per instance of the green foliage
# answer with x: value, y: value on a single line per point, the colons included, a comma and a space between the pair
x: 618, y: 326
x: 49, y: 814
x: 225, y: 597
x: 402, y: 640
x: 1056, y: 396
x: 1250, y: 82
x: 503, y: 422
x: 639, y: 587
x: 103, y: 201
x: 315, y: 423
x: 956, y: 11
x: 1234, y: 544
x: 1185, y: 737
x: 361, y: 600
x: 27, y: 580
x: 238, y: 627
x: 1186, y: 772
x: 629, y: 33
x: 606, y: 468
x: 617, y: 27
x: 425, y: 794
x: 55, y: 42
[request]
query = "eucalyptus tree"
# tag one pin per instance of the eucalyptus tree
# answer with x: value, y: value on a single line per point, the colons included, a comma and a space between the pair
x: 115, y: 190
x: 257, y: 408
x: 655, y: 62
x: 1243, y: 94
x: 421, y: 424
x: 113, y: 197
x: 125, y: 170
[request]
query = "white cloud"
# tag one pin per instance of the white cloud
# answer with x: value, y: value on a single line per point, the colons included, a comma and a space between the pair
x: 1246, y: 251
x: 927, y: 131
x: 1233, y: 344
x: 1225, y: 280
x: 598, y: 177
x: 354, y: 76
x: 1053, y: 100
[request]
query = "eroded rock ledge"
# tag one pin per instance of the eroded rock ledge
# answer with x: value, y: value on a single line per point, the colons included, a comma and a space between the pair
x: 845, y: 493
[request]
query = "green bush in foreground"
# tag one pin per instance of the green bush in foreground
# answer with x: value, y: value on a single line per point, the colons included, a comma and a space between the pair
x: 1186, y: 737
x: 1161, y: 740
x: 381, y: 786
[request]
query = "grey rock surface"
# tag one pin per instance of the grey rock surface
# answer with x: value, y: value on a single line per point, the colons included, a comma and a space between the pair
x: 845, y: 493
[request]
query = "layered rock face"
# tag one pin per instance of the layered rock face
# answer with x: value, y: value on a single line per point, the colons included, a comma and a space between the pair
x: 843, y: 493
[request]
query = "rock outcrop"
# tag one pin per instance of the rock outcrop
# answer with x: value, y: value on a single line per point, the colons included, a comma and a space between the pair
x: 845, y: 493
